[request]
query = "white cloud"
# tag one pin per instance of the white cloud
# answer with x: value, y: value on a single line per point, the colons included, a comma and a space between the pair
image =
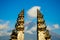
x: 33, y: 11
x: 3, y: 33
x: 34, y: 28
x: 4, y: 28
x: 48, y: 27
x: 27, y: 31
x: 56, y: 26
x: 30, y: 31
x: 53, y: 27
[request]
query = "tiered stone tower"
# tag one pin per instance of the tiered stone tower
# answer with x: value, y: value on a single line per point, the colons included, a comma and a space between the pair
x: 42, y: 32
x: 18, y: 32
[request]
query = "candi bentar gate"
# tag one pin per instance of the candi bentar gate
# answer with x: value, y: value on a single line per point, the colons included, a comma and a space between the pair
x: 42, y: 32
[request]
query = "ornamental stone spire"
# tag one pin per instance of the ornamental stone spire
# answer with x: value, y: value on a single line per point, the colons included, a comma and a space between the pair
x: 42, y: 32
x: 18, y: 32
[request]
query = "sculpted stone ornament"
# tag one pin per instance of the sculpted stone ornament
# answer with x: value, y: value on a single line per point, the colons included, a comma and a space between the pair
x: 19, y: 27
x: 42, y: 32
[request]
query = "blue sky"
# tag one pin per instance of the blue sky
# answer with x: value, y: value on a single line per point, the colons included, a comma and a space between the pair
x: 9, y: 9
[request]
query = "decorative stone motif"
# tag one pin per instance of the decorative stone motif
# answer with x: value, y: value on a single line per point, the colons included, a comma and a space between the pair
x: 18, y: 32
x: 42, y: 32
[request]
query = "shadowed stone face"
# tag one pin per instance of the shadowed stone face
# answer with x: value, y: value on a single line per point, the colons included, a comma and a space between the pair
x: 19, y: 27
x: 42, y: 31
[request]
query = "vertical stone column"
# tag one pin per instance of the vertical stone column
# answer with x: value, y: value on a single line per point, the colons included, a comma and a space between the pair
x: 42, y: 32
x: 20, y: 26
x: 18, y: 33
